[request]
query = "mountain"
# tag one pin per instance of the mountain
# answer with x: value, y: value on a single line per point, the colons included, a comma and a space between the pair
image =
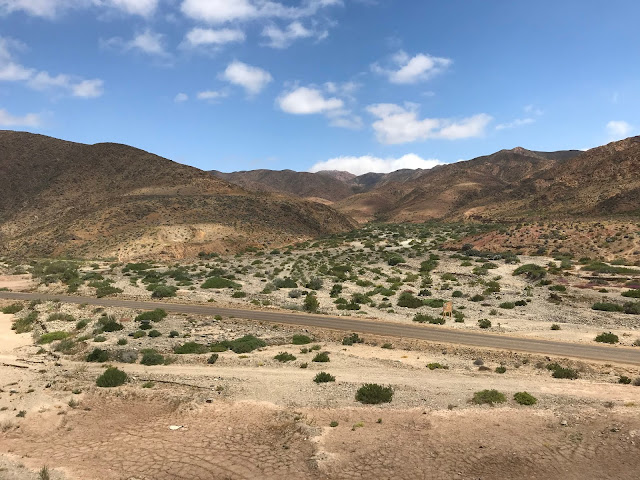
x: 599, y: 182
x: 111, y: 200
x: 299, y: 184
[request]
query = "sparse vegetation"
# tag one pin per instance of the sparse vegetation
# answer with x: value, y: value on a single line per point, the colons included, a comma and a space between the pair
x: 373, y: 394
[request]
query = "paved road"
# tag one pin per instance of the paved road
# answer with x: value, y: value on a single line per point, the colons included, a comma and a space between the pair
x: 601, y: 353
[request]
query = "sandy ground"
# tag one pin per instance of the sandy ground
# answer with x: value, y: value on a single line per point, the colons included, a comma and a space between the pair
x: 17, y: 283
x: 249, y: 416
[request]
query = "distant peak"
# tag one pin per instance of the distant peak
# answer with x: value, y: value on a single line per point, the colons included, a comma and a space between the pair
x: 520, y: 150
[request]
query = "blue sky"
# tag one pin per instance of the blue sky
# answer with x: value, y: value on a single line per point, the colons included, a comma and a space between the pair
x: 358, y: 85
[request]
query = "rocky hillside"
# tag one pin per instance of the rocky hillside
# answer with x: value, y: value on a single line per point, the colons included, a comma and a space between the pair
x: 110, y: 200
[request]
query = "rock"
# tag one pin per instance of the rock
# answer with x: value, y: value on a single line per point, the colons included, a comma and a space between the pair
x: 564, y: 423
x: 175, y: 427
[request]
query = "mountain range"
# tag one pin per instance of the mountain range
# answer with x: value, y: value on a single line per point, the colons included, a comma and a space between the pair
x: 110, y: 200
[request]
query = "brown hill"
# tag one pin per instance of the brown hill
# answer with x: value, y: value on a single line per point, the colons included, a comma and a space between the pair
x: 451, y: 190
x: 299, y: 184
x: 599, y: 182
x: 110, y: 200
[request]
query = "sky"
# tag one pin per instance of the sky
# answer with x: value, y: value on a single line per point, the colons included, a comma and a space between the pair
x: 307, y: 85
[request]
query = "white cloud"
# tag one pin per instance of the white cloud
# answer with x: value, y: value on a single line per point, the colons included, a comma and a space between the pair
x: 211, y: 95
x: 397, y: 124
x: 135, y: 7
x: 279, y: 38
x: 206, y: 36
x: 311, y: 100
x: 147, y: 42
x: 252, y: 79
x: 618, y: 129
x: 221, y: 11
x: 518, y: 122
x: 415, y: 69
x: 52, y: 8
x: 307, y: 101
x: 11, y: 71
x: 181, y: 97
x: 368, y: 163
x: 533, y: 110
x: 28, y: 120
x: 88, y: 88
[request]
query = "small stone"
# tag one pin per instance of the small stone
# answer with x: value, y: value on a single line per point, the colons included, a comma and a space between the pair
x: 564, y: 423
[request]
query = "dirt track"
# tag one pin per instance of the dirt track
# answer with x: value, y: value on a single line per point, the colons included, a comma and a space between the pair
x: 600, y: 353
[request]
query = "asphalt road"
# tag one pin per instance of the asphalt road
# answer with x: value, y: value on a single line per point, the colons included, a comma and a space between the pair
x: 432, y: 333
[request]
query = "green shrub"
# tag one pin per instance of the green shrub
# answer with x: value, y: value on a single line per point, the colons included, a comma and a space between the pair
x: 285, y: 283
x: 524, y: 398
x: 321, y: 357
x: 219, y: 282
x: 246, y: 344
x: 489, y: 397
x: 501, y: 369
x: 109, y: 324
x: 212, y: 359
x: 98, y: 355
x: 112, y: 377
x: 624, y: 380
x: 477, y: 298
x: 351, y: 339
x: 99, y: 338
x: 311, y: 303
x: 406, y: 299
x: 11, y: 309
x: 314, y: 284
x: 558, y: 288
x: 174, y: 334
x: 122, y: 341
x: 457, y: 294
x: 507, y: 305
x: 239, y: 294
x: 607, y: 338
x: 154, y: 333
x: 635, y: 293
x: 151, y: 357
x: 301, y: 340
x: 163, y: 291
x: 484, y: 323
x: 531, y: 271
x: 190, y: 348
x: 423, y: 318
x: 284, y: 357
x: 607, y: 307
x: 437, y: 366
x: 632, y: 308
x: 373, y: 394
x: 52, y: 337
x: 107, y: 290
x: 324, y: 377
x: 433, y: 302
x: 562, y: 372
x: 152, y: 315
x: 139, y: 334
x: 25, y: 324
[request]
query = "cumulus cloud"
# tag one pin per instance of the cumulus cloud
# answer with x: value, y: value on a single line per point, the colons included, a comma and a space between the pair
x: 199, y: 37
x: 148, y: 42
x: 52, y: 8
x: 181, y: 97
x: 406, y: 70
x: 307, y: 101
x: 283, y: 38
x: 28, y: 120
x: 368, y: 163
x: 518, y: 122
x: 619, y: 129
x: 397, y: 124
x: 12, y: 71
x: 312, y: 100
x: 221, y: 11
x: 211, y: 95
x: 252, y: 79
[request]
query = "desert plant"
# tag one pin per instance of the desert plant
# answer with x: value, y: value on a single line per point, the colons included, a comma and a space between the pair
x: 284, y: 357
x: 605, y: 337
x: 406, y: 299
x: 52, y: 337
x: 98, y: 355
x: 212, y: 359
x: 437, y: 366
x: 190, y: 348
x: 484, y: 323
x: 112, y: 377
x: 624, y: 380
x: 372, y: 393
x: 489, y: 397
x: 311, y: 303
x: 501, y: 369
x: 321, y: 357
x: 245, y: 344
x: 152, y: 315
x: 13, y: 308
x: 607, y: 307
x: 301, y: 340
x: 351, y: 339
x: 324, y: 377
x: 524, y: 398
x: 151, y: 357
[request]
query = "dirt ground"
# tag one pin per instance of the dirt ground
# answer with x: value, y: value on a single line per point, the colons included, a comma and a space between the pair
x: 249, y: 416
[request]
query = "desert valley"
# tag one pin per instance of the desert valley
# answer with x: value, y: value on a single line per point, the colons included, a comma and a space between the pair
x: 161, y: 322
